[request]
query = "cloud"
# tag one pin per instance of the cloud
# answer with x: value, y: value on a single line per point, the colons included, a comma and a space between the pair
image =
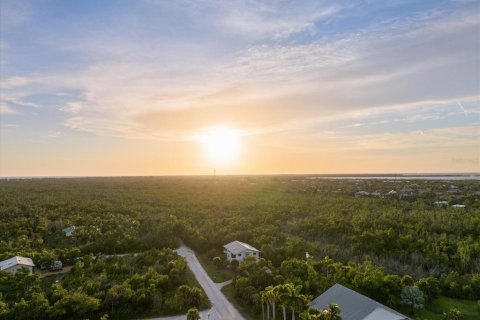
x: 53, y: 134
x: 466, y: 137
x: 13, y: 82
x: 4, y: 109
x: 271, y: 81
x: 267, y: 20
x: 15, y: 92
x: 14, y: 12
x: 273, y: 20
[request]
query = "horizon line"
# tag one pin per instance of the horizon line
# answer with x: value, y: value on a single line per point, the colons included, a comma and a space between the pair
x: 353, y: 174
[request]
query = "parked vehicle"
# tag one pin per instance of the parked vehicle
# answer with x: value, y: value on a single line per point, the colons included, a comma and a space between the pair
x: 56, y: 266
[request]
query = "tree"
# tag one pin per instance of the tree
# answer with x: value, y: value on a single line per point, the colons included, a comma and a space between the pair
x: 273, y: 296
x: 193, y: 314
x: 407, y: 280
x: 430, y: 287
x: 76, y: 303
x: 234, y: 264
x: 195, y: 297
x: 192, y: 297
x: 412, y: 296
x: 332, y: 312
x: 453, y: 314
x: 3, y: 308
x: 39, y: 306
x: 217, y: 261
x: 263, y: 301
x: 283, y: 298
x: 119, y: 293
x: 293, y: 298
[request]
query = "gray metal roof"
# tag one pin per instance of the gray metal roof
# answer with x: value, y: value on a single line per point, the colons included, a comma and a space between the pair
x: 237, y: 247
x: 355, y: 306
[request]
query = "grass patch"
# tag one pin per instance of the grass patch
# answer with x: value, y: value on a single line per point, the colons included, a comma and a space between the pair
x: 469, y: 308
x: 248, y: 312
x: 217, y: 275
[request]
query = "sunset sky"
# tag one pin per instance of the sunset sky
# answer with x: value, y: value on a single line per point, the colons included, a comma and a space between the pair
x: 248, y: 87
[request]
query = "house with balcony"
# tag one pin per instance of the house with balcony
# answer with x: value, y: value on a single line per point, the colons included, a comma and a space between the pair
x: 240, y: 250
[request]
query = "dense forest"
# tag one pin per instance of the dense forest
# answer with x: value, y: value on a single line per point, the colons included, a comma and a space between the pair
x: 377, y: 242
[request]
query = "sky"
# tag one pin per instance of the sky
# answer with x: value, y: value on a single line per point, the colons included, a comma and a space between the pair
x: 117, y: 87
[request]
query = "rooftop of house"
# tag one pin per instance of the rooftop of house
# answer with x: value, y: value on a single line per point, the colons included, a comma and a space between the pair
x: 69, y: 229
x: 237, y: 247
x: 355, y: 306
x: 5, y: 264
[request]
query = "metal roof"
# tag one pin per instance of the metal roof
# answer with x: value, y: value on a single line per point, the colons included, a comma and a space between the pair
x: 355, y: 306
x: 237, y: 247
x: 5, y: 264
x: 69, y: 229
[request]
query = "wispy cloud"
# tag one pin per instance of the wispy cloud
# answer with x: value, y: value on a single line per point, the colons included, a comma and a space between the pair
x: 14, y: 13
x: 402, y: 65
x: 4, y: 109
x: 271, y: 81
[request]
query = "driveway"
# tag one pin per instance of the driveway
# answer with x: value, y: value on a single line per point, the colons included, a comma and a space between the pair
x: 221, y: 309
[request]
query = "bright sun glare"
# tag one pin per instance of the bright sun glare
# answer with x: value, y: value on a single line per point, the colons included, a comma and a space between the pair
x: 222, y: 144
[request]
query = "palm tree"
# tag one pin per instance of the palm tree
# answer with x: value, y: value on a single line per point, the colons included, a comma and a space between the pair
x: 263, y: 300
x: 193, y: 314
x: 284, y: 297
x: 272, y: 296
x: 332, y: 312
x: 296, y: 300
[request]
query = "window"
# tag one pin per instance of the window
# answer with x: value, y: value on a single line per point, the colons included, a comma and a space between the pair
x: 239, y: 254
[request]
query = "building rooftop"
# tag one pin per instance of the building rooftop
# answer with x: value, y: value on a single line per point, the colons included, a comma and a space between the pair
x: 5, y: 264
x: 69, y: 229
x: 355, y: 306
x: 237, y: 247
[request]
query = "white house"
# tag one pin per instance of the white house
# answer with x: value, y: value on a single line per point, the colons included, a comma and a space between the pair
x: 392, y: 193
x: 69, y: 231
x: 239, y: 250
x: 355, y: 306
x: 458, y: 206
x: 16, y: 263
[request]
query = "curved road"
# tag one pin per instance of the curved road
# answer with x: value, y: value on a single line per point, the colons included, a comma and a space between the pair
x: 221, y: 308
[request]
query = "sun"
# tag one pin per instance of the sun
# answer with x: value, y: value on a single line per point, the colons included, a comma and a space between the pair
x: 221, y: 144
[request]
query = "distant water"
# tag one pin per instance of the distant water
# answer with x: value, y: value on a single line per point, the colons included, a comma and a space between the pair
x: 473, y: 176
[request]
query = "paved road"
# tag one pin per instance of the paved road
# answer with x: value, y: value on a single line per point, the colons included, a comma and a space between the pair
x: 221, y: 309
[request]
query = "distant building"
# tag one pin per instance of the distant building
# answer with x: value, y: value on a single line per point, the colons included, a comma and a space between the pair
x: 355, y: 306
x: 375, y: 194
x: 406, y: 192
x: 69, y: 231
x: 454, y: 190
x: 441, y: 203
x: 239, y: 250
x: 459, y: 206
x: 392, y: 193
x: 362, y: 194
x: 16, y: 263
